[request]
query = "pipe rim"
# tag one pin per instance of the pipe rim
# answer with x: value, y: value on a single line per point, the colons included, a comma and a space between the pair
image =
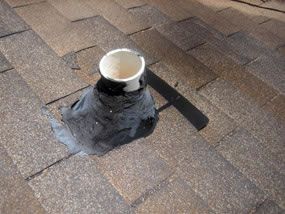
x: 139, y: 73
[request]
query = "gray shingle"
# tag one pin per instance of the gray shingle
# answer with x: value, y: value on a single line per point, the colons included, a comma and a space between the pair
x: 4, y: 64
x: 151, y: 15
x: 170, y: 8
x: 71, y: 60
x: 269, y: 69
x: 247, y: 46
x: 254, y: 160
x: 269, y: 207
x: 185, y: 34
x: 10, y: 22
x: 217, y: 39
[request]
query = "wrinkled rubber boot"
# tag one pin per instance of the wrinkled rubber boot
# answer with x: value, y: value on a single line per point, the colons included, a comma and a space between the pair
x: 116, y: 110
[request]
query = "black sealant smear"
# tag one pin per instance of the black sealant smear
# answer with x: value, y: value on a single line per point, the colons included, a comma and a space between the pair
x: 106, y: 116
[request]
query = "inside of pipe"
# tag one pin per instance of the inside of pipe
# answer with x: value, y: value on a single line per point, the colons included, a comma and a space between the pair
x: 121, y: 65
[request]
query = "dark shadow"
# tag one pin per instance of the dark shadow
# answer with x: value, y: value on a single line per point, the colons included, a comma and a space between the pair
x: 187, y: 109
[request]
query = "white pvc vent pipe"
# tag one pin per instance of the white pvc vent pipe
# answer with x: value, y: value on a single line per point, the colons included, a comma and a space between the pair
x: 123, y: 65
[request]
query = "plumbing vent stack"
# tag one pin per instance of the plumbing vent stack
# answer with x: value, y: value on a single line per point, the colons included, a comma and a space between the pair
x: 117, y: 110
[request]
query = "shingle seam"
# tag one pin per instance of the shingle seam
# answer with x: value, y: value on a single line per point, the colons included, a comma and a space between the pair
x: 85, y: 18
x: 151, y: 191
x: 53, y: 101
x: 223, y: 9
x: 10, y: 34
x: 32, y: 3
x: 231, y: 34
x: 269, y: 100
x: 46, y: 168
x: 258, y: 6
x: 83, y: 49
x: 186, y: 19
x: 205, y: 84
x: 229, y: 134
x: 7, y: 70
x: 196, y: 46
x: 258, y: 205
x: 135, y: 7
x: 267, y: 20
x: 144, y: 29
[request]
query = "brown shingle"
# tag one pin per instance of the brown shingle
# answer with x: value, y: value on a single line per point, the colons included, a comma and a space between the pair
x: 182, y: 64
x: 213, y: 178
x: 239, y: 19
x: 226, y: 68
x: 176, y: 197
x: 275, y: 26
x: 133, y: 169
x: 73, y: 9
x: 17, y: 3
x: 276, y: 107
x: 130, y: 3
x: 253, y: 13
x: 118, y: 16
x: 209, y: 16
x: 261, y: 124
x: 15, y: 194
x: 215, y: 5
x: 246, y: 24
x: 88, y: 61
x: 55, y: 29
x: 170, y: 8
x: 76, y: 185
x: 218, y: 183
x: 107, y: 37
x: 219, y: 123
x: 25, y: 132
x: 47, y: 75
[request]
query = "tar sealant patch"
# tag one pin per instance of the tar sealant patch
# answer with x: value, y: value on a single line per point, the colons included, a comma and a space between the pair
x: 106, y: 116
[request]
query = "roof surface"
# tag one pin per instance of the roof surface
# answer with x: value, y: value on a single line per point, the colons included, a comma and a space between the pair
x: 225, y: 57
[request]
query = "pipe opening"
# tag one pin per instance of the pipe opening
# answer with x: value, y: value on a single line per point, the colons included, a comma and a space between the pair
x: 122, y: 65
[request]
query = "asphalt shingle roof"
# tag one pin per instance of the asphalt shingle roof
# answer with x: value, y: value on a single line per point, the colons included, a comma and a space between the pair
x: 225, y: 57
